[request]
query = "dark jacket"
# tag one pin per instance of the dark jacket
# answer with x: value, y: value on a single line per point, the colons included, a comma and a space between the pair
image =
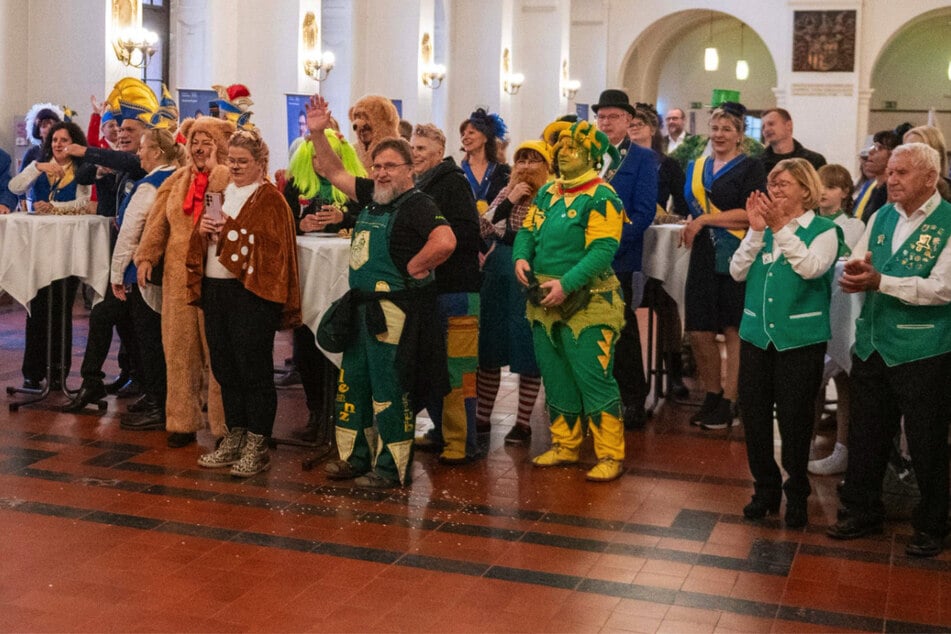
x: 448, y: 186
x: 770, y: 158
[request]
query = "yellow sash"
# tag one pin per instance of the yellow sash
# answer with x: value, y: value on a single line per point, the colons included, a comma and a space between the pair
x: 860, y: 206
x: 700, y: 193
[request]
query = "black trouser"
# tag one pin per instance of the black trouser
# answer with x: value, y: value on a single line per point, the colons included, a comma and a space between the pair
x: 312, y: 365
x: 789, y: 380
x: 34, y: 350
x: 108, y: 314
x: 917, y: 390
x: 628, y: 361
x: 240, y: 329
x: 148, y: 333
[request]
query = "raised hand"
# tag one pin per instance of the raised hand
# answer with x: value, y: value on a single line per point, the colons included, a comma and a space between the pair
x: 756, y: 212
x: 318, y: 114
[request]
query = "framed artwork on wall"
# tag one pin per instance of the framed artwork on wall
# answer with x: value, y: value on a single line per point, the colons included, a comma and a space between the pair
x: 824, y: 41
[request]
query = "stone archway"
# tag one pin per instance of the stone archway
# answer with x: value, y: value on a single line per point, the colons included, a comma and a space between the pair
x: 664, y: 64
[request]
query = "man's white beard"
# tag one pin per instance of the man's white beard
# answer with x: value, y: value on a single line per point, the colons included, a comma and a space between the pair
x: 384, y: 194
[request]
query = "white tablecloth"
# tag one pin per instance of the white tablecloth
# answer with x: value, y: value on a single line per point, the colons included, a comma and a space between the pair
x: 666, y: 261
x: 324, y: 264
x: 35, y: 250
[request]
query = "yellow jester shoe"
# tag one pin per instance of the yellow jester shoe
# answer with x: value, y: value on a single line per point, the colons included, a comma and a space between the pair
x: 555, y: 456
x: 606, y: 470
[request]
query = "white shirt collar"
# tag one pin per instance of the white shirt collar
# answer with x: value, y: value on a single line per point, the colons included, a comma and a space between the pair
x: 927, y: 208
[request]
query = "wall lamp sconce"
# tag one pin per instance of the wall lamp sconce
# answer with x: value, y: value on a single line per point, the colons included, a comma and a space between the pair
x: 135, y: 47
x: 318, y: 69
x: 513, y: 82
x: 569, y: 88
x: 433, y: 75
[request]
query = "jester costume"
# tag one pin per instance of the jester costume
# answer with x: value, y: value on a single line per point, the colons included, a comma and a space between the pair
x: 571, y: 233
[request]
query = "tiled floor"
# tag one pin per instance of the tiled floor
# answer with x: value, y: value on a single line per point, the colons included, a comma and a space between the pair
x: 108, y: 530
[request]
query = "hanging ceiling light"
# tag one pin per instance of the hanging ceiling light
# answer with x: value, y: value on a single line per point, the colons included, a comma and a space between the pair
x: 711, y: 59
x: 742, y: 68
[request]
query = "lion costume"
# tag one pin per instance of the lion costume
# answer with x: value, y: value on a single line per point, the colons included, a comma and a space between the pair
x: 379, y: 116
x: 165, y: 239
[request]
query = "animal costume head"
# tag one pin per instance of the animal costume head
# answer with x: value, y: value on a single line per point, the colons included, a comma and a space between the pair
x: 562, y: 134
x: 234, y: 102
x: 219, y: 130
x: 131, y: 98
x: 374, y: 118
x: 40, y: 112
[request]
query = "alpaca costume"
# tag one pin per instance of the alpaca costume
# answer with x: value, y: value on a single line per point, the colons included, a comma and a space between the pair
x: 381, y: 116
x: 166, y: 239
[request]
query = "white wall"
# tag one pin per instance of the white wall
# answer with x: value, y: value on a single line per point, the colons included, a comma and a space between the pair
x: 14, y: 53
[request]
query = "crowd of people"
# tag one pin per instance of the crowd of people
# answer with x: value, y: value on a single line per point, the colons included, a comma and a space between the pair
x: 458, y: 270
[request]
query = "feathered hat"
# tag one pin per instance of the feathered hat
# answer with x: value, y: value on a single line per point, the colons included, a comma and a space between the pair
x: 37, y: 113
x: 584, y: 134
x: 233, y: 101
x: 489, y: 124
x: 131, y: 98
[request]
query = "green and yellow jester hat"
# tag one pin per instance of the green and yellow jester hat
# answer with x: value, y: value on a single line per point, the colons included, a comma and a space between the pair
x: 131, y: 98
x: 309, y: 183
x: 584, y: 134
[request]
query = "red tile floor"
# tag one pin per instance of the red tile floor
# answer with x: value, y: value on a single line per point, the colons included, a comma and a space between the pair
x: 108, y: 530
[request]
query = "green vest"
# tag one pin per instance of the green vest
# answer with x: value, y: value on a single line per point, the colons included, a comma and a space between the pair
x: 781, y: 307
x: 902, y: 332
x: 371, y: 267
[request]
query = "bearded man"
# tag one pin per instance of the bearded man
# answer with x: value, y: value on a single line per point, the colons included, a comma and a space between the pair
x: 505, y: 338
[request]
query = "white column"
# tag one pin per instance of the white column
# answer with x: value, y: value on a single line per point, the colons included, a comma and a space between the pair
x: 14, y: 101
x: 340, y: 33
x: 541, y: 34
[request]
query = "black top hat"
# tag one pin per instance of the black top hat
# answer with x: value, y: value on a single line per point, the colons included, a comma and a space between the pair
x: 614, y: 98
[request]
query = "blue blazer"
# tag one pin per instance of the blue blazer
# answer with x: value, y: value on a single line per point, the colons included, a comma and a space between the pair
x: 636, y: 185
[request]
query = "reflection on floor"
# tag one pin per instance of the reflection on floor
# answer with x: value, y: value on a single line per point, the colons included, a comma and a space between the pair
x: 108, y: 530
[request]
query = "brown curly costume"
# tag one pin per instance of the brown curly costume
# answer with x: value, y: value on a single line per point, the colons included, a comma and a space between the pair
x: 166, y: 235
x: 381, y: 115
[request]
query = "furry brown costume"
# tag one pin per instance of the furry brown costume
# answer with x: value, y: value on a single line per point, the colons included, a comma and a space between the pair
x: 166, y: 237
x: 374, y: 118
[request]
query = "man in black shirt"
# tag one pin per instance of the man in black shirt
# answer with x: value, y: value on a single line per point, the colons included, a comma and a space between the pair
x: 780, y: 144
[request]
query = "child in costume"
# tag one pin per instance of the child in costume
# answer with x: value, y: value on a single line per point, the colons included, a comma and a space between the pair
x: 563, y: 254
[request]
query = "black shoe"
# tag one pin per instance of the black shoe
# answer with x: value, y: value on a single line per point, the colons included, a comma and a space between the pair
x: 177, y: 440
x: 145, y: 403
x: 147, y: 421
x: 519, y: 435
x: 33, y: 384
x: 851, y: 527
x: 677, y: 389
x: 721, y: 417
x: 634, y: 417
x: 113, y: 386
x: 710, y: 403
x: 758, y: 508
x: 797, y: 515
x: 924, y: 545
x: 675, y: 380
x: 373, y: 480
x: 90, y: 392
x: 311, y: 431
x: 130, y: 389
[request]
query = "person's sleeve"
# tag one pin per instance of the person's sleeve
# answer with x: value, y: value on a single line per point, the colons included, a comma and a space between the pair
x: 76, y: 206
x: 7, y: 197
x: 934, y: 290
x: 92, y: 132
x: 745, y: 255
x: 808, y: 262
x: 677, y: 182
x: 133, y: 223
x: 754, y: 180
x: 154, y: 237
x: 602, y: 236
x: 524, y: 245
x: 113, y: 159
x: 22, y: 182
x: 364, y: 188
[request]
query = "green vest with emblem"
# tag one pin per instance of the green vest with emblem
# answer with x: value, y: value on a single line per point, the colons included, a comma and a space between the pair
x: 902, y: 332
x: 371, y: 266
x: 781, y: 307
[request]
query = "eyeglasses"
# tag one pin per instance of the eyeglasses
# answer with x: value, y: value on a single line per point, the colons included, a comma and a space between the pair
x: 376, y: 168
x: 614, y: 116
x: 778, y: 184
x: 636, y: 125
x: 529, y: 161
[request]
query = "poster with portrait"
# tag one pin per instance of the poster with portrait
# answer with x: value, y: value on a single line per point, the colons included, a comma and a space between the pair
x: 824, y: 41
x: 296, y: 116
x: 196, y: 103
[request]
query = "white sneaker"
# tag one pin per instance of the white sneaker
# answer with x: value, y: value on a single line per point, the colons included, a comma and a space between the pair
x: 832, y: 464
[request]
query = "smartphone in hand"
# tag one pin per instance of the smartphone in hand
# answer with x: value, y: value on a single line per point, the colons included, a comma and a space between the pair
x: 213, y: 210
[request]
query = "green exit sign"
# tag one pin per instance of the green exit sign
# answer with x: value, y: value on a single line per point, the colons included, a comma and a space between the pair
x: 696, y: 105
